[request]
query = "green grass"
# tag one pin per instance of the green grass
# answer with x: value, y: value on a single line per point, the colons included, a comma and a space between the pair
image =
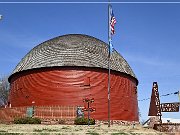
x: 65, y: 128
x: 45, y: 130
x: 79, y: 129
x: 2, y: 131
x: 46, y: 134
x: 121, y: 133
x: 37, y: 130
x: 92, y: 133
x: 42, y: 134
x: 10, y: 133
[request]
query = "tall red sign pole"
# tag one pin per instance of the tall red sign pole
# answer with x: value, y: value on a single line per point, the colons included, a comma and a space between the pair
x: 155, y: 106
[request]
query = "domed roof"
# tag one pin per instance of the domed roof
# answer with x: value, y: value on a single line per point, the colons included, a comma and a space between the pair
x: 73, y: 50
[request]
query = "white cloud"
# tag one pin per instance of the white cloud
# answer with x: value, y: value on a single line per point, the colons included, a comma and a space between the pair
x: 12, y: 39
x: 150, y: 61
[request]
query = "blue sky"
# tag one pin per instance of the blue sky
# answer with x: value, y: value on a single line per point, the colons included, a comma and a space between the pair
x: 147, y: 36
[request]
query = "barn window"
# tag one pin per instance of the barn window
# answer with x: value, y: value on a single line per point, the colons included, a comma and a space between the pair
x: 87, y: 81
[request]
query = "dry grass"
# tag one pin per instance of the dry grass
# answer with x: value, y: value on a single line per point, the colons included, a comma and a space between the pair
x: 75, y: 130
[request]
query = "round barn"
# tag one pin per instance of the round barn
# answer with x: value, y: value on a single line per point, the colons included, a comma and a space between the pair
x: 66, y: 69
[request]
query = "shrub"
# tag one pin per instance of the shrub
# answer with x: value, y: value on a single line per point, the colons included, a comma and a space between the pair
x: 84, y: 121
x: 27, y: 120
x: 61, y: 121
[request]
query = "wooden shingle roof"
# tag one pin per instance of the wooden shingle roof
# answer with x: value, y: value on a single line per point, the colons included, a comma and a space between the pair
x: 73, y: 50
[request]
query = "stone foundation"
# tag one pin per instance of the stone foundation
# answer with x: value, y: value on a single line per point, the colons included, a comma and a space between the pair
x: 117, y: 122
x: 98, y: 122
x: 168, y: 127
x: 57, y: 121
x: 153, y: 120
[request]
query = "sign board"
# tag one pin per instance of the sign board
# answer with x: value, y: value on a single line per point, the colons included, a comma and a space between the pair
x: 155, y: 109
x: 29, y: 112
x: 170, y: 107
x: 80, y: 112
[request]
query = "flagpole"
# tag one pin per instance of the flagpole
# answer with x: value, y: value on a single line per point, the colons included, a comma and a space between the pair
x: 109, y: 70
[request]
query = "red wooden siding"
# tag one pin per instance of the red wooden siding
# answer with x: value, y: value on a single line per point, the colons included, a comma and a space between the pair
x: 68, y: 87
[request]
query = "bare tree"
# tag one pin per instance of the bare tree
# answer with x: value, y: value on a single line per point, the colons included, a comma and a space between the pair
x: 4, y: 90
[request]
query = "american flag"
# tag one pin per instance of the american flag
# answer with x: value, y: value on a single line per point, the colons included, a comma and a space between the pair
x: 112, y: 22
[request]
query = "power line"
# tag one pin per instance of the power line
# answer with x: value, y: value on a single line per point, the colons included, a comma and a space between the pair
x: 160, y: 96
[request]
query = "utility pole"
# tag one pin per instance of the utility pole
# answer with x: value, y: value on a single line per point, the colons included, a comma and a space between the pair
x: 109, y: 68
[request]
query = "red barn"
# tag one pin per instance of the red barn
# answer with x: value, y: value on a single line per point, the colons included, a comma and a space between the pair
x: 66, y: 69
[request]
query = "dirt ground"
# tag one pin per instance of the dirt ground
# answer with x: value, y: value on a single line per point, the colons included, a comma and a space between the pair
x: 75, y: 130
